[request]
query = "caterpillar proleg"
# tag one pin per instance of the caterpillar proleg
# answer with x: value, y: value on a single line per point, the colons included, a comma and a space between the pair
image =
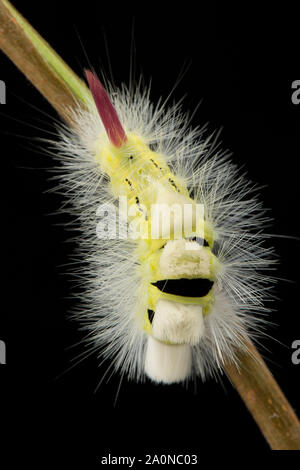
x: 182, y: 283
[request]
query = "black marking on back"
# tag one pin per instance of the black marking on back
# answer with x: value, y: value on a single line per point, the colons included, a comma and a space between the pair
x: 185, y: 287
x: 150, y: 315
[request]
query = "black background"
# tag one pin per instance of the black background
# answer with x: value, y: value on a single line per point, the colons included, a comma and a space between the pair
x: 242, y: 63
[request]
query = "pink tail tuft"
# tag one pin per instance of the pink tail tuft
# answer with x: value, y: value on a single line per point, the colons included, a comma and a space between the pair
x: 107, y: 112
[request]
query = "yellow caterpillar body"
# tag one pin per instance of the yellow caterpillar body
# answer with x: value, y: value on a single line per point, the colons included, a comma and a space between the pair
x: 183, y: 284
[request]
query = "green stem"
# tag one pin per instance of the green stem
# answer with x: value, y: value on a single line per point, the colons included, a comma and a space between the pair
x: 77, y: 86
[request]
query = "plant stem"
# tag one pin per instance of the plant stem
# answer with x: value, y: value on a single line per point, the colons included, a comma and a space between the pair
x: 64, y: 90
x: 41, y: 65
x: 265, y: 400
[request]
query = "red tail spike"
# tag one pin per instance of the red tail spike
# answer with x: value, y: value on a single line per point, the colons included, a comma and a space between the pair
x: 107, y: 112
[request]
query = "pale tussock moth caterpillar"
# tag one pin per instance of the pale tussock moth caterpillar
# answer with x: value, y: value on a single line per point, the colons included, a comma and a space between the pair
x: 170, y: 307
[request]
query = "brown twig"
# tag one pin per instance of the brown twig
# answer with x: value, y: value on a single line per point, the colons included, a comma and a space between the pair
x: 253, y: 381
x: 265, y: 400
x: 18, y: 47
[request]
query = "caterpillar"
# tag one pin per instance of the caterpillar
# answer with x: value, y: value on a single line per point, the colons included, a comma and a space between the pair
x: 178, y: 288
